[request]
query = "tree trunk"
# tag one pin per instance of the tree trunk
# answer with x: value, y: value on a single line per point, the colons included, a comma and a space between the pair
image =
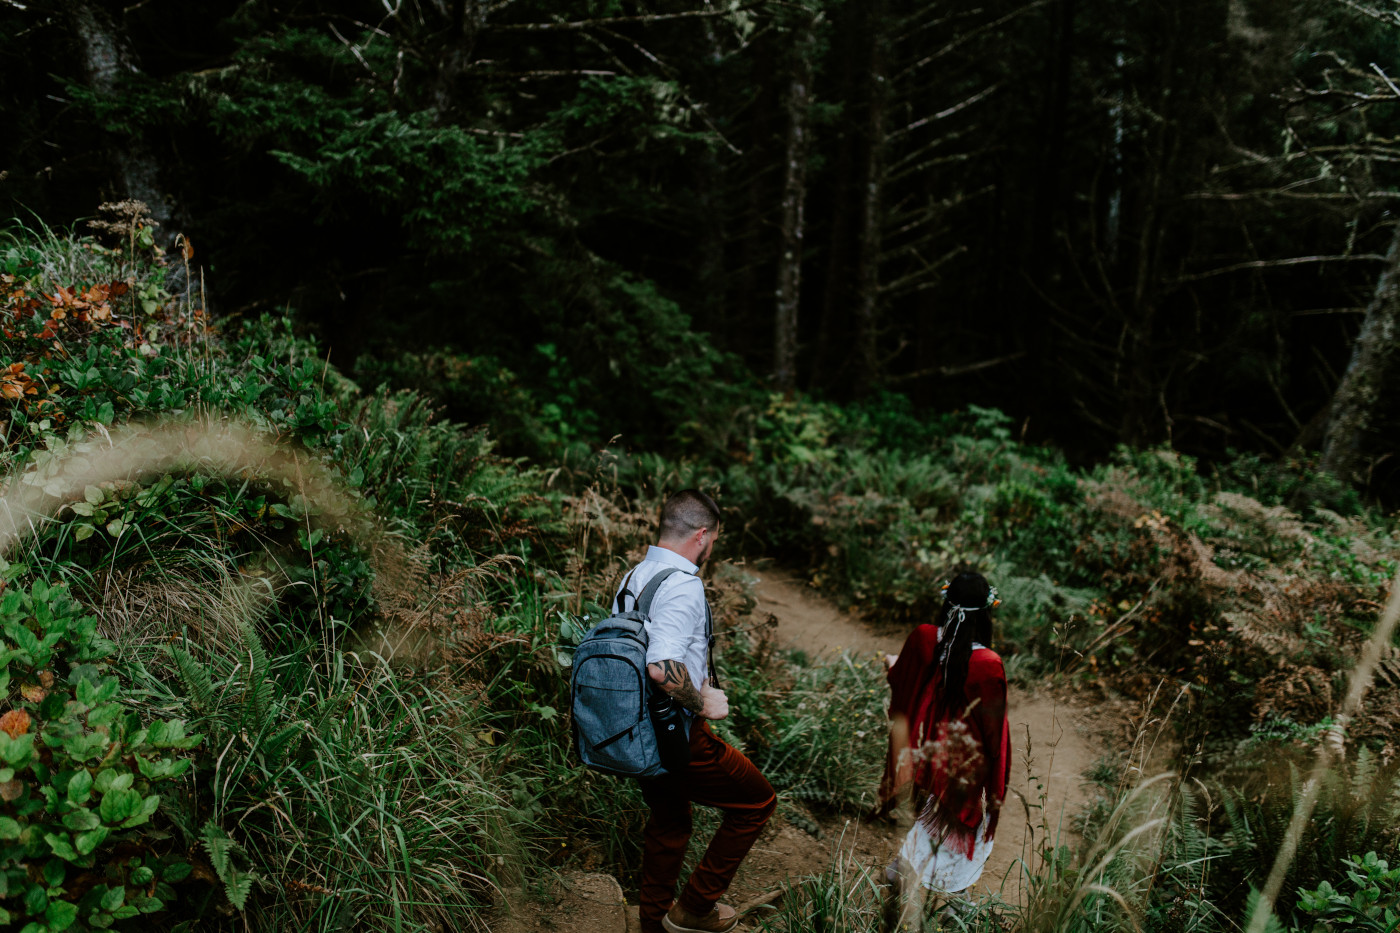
x: 872, y: 198
x: 792, y: 228
x: 107, y: 58
x: 1359, y: 404
x: 709, y: 273
x: 465, y: 20
x: 829, y: 359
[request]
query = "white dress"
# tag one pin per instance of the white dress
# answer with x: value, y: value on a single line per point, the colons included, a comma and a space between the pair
x: 944, y: 869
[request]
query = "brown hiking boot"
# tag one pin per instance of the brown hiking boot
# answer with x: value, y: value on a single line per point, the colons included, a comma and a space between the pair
x: 679, y: 920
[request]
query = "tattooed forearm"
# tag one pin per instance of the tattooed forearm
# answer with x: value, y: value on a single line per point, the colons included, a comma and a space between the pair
x: 674, y: 678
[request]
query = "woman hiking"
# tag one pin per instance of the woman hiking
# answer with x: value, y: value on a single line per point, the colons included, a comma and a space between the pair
x: 949, y: 738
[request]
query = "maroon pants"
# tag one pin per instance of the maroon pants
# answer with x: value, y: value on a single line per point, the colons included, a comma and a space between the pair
x: 718, y: 776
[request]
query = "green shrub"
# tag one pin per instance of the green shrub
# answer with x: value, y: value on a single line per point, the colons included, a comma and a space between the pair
x: 79, y: 774
x: 1358, y: 810
x: 1370, y: 901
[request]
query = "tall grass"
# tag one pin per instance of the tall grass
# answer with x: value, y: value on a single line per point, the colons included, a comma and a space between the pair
x: 826, y: 743
x: 848, y: 897
x: 351, y: 795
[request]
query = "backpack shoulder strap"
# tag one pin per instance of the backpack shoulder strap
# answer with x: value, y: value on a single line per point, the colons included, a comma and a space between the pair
x: 649, y: 592
x: 625, y: 592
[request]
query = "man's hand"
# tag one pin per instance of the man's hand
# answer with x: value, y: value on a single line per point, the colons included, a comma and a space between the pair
x: 714, y: 704
x: 672, y: 676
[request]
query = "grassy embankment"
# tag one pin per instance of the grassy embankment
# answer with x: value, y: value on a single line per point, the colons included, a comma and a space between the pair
x: 204, y: 727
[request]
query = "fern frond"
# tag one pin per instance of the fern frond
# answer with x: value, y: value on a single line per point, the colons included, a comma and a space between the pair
x: 238, y: 882
x: 238, y: 888
x: 219, y: 846
x: 1272, y: 924
x: 279, y: 747
x: 258, y: 704
x: 199, y: 684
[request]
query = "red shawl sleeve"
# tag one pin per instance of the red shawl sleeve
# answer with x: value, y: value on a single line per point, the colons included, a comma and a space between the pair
x: 908, y: 678
x: 986, y: 684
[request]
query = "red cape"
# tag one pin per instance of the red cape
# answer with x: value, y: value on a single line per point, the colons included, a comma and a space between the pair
x: 974, y: 747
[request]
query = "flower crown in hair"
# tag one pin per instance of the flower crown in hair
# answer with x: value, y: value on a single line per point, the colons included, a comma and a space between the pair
x: 957, y: 615
x: 993, y: 600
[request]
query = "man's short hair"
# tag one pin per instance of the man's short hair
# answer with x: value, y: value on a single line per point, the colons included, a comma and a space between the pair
x: 686, y: 513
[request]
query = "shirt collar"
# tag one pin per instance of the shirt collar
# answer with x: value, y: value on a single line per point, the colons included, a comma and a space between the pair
x: 670, y: 558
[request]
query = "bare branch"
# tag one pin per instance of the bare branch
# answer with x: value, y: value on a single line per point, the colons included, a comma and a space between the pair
x: 1272, y: 263
x: 1309, y: 312
x: 1386, y: 78
x: 494, y: 133
x: 936, y: 160
x: 968, y: 37
x: 956, y: 370
x: 1389, y: 18
x: 670, y: 72
x: 942, y: 114
x: 354, y: 50
x: 1292, y: 195
x: 616, y: 20
x: 531, y: 75
x: 901, y: 283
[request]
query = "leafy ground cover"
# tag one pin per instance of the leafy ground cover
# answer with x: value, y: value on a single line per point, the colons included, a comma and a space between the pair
x: 281, y: 652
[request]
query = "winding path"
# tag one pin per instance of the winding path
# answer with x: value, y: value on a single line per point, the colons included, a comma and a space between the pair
x: 1047, y: 771
x: 1047, y: 774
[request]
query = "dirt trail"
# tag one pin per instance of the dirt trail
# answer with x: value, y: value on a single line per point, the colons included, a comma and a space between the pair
x: 1047, y: 771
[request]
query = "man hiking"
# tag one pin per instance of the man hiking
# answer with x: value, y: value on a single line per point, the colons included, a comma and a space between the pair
x: 679, y: 663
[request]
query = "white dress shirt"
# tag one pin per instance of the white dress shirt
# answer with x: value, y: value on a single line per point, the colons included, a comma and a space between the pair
x: 677, y: 627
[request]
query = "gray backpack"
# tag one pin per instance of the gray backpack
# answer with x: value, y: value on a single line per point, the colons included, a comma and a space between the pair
x: 609, y: 688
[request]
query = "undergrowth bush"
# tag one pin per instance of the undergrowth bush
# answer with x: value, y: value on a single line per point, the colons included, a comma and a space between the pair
x: 377, y: 680
x: 80, y: 774
x: 334, y: 790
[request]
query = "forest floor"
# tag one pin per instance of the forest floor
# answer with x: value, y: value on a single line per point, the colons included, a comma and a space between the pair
x: 1067, y: 733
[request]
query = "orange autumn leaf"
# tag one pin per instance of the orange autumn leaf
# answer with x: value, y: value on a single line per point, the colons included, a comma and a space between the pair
x: 33, y: 693
x: 117, y: 289
x: 16, y: 367
x: 10, y: 790
x: 15, y: 723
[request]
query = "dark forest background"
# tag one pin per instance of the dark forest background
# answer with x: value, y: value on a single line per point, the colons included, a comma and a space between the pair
x: 1119, y: 221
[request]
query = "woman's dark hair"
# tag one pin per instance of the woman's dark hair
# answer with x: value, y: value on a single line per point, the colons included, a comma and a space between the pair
x: 968, y: 591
